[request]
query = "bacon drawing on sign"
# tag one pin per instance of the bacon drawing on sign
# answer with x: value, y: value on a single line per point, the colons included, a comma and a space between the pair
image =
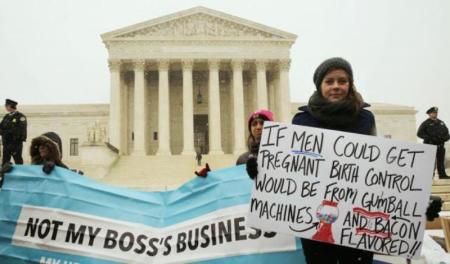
x: 375, y: 219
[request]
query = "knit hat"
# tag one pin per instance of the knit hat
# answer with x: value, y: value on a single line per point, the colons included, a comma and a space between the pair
x: 433, y: 109
x: 263, y: 114
x: 332, y: 64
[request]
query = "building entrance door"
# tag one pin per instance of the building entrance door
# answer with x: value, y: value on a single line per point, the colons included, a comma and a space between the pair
x: 201, y: 141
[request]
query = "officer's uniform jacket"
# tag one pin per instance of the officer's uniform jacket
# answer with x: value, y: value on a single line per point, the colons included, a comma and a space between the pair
x: 13, y: 128
x: 433, y: 132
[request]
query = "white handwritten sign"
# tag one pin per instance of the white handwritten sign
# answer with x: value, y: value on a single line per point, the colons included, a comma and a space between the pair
x: 354, y: 190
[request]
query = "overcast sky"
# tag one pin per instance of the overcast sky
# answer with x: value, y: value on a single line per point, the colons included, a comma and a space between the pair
x: 51, y: 51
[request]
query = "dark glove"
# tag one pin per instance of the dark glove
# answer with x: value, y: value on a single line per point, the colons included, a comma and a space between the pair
x: 203, y: 172
x: 252, y: 167
x: 48, y: 167
x: 78, y: 171
x: 434, y: 207
x: 6, y: 167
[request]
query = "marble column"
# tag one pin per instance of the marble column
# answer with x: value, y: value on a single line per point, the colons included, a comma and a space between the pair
x: 261, y: 85
x: 238, y: 106
x: 214, y: 124
x: 140, y: 142
x: 284, y: 100
x: 124, y: 112
x: 188, y: 109
x: 163, y: 109
x: 115, y: 106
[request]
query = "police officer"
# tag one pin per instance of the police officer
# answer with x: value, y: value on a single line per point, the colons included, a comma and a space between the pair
x: 433, y: 131
x: 13, y: 130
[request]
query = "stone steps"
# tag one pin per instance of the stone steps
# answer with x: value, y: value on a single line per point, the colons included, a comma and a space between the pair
x: 159, y: 173
x: 446, y: 206
x: 444, y: 196
x: 442, y: 188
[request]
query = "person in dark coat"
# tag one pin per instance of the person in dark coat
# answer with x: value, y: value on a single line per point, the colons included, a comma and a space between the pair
x: 255, y: 127
x: 46, y: 150
x: 13, y: 130
x: 334, y: 105
x: 434, y: 131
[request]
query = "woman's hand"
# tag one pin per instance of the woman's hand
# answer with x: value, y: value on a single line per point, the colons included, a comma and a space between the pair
x: 7, y: 167
x: 48, y: 167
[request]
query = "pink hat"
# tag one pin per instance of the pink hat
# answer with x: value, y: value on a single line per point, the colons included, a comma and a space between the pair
x: 264, y: 114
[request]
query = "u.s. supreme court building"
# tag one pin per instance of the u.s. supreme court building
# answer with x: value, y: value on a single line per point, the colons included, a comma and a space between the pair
x: 186, y: 81
x: 183, y: 83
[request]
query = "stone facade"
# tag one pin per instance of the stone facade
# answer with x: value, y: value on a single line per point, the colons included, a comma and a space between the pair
x: 78, y: 121
x: 72, y: 123
x: 396, y: 122
x: 185, y: 82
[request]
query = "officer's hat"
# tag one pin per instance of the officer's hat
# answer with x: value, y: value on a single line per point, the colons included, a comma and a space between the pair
x: 433, y: 109
x: 11, y: 103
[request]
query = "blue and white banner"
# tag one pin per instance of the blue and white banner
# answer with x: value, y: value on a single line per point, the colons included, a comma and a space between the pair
x: 68, y: 218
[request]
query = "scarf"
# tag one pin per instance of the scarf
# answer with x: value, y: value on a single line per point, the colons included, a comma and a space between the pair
x: 339, y: 114
x: 253, y: 145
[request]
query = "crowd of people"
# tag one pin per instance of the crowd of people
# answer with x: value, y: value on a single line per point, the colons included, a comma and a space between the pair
x: 335, y: 104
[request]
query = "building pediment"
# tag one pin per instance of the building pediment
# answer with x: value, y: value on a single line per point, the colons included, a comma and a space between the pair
x: 198, y: 23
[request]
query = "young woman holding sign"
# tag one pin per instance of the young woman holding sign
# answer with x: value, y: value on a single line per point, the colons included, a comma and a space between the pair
x: 255, y: 127
x: 334, y: 105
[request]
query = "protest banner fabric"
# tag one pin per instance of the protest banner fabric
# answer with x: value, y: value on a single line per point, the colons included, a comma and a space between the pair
x: 70, y: 218
x: 354, y: 190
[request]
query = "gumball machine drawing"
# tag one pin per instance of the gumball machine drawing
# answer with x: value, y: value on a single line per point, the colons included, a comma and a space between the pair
x: 327, y: 212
